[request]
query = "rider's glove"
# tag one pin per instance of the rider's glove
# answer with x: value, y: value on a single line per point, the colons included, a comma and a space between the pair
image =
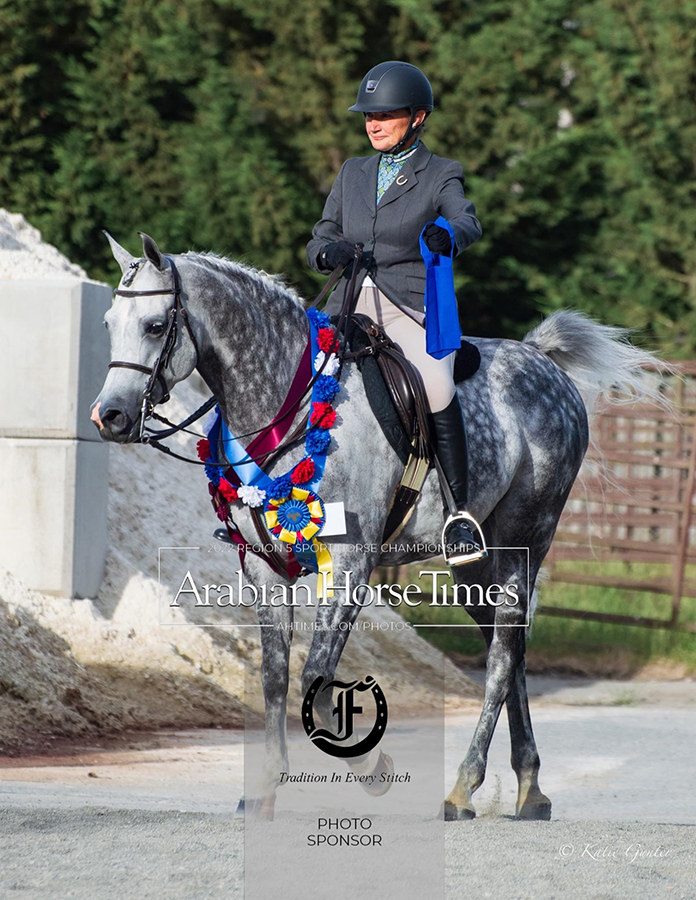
x: 437, y: 239
x: 339, y: 253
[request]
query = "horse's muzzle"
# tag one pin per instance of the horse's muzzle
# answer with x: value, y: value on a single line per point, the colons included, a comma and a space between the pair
x: 114, y: 424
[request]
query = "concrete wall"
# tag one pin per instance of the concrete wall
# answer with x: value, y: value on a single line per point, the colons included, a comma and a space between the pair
x: 54, y: 470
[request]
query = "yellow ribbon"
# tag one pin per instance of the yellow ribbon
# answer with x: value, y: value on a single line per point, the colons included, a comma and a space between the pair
x: 325, y: 576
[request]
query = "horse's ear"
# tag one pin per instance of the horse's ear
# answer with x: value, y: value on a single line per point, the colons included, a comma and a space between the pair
x: 121, y: 255
x: 151, y: 251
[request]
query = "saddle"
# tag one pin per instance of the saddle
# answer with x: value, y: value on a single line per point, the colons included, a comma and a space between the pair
x: 396, y: 394
x: 402, y: 381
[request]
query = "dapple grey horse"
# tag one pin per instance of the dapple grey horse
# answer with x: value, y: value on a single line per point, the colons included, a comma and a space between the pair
x: 528, y: 432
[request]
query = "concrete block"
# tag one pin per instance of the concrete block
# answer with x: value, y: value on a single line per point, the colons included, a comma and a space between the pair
x: 55, y: 357
x: 53, y: 511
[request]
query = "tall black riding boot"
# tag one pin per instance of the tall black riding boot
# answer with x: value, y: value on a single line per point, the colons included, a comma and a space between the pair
x: 463, y: 535
x: 222, y: 535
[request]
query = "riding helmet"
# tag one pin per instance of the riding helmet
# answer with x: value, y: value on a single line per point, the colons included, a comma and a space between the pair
x: 393, y: 85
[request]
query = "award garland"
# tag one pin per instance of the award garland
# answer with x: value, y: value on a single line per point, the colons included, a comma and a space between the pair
x: 293, y: 511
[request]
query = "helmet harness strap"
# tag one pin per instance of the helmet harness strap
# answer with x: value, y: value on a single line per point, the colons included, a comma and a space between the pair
x: 410, y: 131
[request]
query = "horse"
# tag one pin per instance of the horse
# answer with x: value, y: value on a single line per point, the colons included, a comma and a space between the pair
x: 527, y: 411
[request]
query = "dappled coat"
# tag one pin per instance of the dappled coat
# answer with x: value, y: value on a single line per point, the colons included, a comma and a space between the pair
x: 428, y: 186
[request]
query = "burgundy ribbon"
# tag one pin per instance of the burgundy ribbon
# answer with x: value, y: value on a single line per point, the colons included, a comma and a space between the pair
x: 265, y: 442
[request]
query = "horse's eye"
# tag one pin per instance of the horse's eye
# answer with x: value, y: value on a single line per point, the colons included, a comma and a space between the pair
x: 155, y: 328
x: 106, y: 325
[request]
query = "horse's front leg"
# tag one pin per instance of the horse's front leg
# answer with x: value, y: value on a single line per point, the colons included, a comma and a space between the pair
x: 333, y: 625
x: 276, y: 636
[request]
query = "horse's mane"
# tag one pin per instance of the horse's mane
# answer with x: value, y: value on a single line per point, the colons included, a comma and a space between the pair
x: 234, y: 269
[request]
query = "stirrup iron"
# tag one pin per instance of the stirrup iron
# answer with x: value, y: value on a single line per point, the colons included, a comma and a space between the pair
x: 457, y: 558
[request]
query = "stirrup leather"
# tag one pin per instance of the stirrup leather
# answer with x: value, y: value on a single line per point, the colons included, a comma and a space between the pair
x: 458, y: 559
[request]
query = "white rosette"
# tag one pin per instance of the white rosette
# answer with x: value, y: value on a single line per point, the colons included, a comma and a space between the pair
x: 251, y: 495
x: 331, y: 366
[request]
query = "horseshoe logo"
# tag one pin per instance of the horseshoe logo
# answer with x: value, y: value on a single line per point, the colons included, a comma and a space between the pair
x: 345, y: 712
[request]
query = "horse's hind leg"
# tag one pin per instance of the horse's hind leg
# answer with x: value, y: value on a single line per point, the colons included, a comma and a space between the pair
x: 505, y: 653
x: 524, y: 756
x: 531, y: 803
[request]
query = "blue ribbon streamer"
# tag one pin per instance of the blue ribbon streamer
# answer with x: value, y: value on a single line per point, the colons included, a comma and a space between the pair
x: 443, y: 334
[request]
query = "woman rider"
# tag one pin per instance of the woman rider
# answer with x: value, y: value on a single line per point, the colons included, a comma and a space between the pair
x: 382, y: 202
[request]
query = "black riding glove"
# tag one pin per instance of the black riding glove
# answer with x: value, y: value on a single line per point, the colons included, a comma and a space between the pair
x: 339, y: 253
x: 437, y: 239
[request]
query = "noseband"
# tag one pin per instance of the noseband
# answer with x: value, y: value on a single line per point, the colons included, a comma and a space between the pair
x: 156, y: 372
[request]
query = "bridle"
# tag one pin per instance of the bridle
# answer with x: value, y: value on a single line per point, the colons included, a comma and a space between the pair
x: 156, y: 371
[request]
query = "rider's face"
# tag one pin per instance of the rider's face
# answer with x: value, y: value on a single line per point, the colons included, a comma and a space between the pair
x: 385, y: 129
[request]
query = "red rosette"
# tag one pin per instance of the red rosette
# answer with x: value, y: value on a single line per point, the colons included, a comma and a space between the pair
x: 325, y: 338
x: 228, y: 491
x: 203, y: 449
x: 323, y: 415
x: 303, y: 471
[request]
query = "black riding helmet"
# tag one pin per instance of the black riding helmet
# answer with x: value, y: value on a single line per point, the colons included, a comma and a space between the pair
x: 395, y: 85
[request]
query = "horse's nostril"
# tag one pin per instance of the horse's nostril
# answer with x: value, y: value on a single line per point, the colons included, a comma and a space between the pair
x: 115, y: 424
x: 112, y: 417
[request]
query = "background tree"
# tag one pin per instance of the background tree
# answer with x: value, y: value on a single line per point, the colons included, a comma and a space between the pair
x: 219, y: 124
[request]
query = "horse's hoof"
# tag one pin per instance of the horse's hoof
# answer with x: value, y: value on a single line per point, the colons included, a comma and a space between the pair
x: 263, y: 808
x: 450, y: 812
x: 539, y: 808
x: 380, y: 785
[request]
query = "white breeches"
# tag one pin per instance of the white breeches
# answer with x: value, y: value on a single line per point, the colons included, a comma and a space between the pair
x: 404, y: 330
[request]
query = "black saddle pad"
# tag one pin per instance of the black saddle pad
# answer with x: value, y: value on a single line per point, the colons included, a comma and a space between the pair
x: 466, y: 364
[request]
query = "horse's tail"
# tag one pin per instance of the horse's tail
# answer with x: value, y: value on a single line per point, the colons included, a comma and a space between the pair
x: 599, y: 359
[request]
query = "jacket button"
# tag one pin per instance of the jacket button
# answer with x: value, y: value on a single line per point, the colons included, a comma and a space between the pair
x: 373, y: 216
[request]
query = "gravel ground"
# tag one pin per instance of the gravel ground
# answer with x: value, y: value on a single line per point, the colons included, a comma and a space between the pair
x: 153, y: 815
x: 110, y: 853
x: 504, y: 859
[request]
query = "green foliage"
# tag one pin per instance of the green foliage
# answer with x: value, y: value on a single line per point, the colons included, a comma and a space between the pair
x: 33, y: 102
x: 220, y: 124
x: 586, y: 643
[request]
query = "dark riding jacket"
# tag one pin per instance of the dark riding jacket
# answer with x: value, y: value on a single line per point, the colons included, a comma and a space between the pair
x: 428, y: 186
